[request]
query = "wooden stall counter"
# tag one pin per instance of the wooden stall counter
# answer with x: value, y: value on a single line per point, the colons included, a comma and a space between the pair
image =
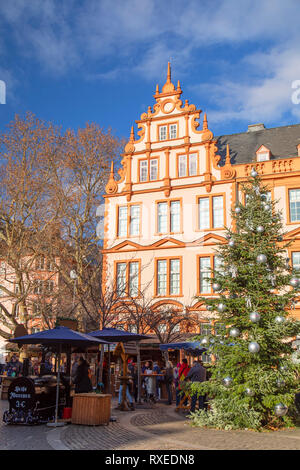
x: 91, y: 409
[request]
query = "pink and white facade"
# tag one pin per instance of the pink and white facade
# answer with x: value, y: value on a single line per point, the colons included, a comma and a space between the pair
x: 167, y: 211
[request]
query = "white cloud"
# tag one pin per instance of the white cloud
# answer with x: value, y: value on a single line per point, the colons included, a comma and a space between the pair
x: 104, y: 39
x: 266, y: 98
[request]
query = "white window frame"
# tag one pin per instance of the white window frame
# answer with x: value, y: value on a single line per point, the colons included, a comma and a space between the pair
x: 163, y: 132
x: 296, y: 202
x: 162, y: 277
x: 153, y: 176
x: 122, y: 221
x: 143, y: 171
x: 173, y: 127
x: 204, y: 273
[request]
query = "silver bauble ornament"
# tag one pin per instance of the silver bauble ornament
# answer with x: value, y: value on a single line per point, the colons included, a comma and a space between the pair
x: 260, y: 229
x: 253, y: 173
x: 283, y: 368
x: 294, y: 282
x: 227, y: 381
x: 212, y: 341
x: 231, y: 243
x: 216, y: 287
x: 249, y: 392
x: 254, y: 317
x: 267, y: 207
x: 253, y: 347
x: 234, y: 332
x: 279, y: 319
x: 261, y: 259
x: 221, y: 307
x: 280, y: 409
x: 205, y: 340
x: 237, y: 210
x: 280, y: 383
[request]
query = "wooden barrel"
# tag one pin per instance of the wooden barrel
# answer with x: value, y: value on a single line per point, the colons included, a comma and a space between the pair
x: 91, y: 409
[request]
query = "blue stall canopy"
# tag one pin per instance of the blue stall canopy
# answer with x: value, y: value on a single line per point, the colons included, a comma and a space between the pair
x: 193, y: 347
x: 59, y: 336
x: 114, y: 335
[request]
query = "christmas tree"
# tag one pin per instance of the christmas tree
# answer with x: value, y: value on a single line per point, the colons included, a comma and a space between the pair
x: 254, y: 379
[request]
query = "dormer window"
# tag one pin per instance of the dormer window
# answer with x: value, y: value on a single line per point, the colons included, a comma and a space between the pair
x: 263, y: 154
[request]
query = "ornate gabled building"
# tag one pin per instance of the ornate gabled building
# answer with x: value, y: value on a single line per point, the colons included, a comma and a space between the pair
x: 166, y: 212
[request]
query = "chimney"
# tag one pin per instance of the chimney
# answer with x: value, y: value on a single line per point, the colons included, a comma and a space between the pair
x: 256, y: 127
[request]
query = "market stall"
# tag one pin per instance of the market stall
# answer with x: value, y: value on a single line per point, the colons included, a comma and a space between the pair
x: 59, y: 339
x: 121, y: 336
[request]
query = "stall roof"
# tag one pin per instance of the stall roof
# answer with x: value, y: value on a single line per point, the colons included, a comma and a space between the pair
x: 193, y: 347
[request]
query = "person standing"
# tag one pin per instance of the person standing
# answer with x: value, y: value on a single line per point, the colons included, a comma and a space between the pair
x: 14, y: 366
x: 74, y: 368
x: 183, y: 371
x: 157, y: 371
x: 46, y: 367
x: 82, y: 381
x: 169, y: 380
x: 197, y: 374
x: 133, y: 369
x: 128, y: 395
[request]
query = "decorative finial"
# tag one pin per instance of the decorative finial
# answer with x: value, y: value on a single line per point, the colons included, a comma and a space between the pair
x: 157, y: 90
x: 112, y: 185
x: 129, y: 147
x: 131, y: 135
x: 169, y: 73
x: 227, y: 161
x: 205, y: 126
x: 168, y: 86
x: 178, y: 87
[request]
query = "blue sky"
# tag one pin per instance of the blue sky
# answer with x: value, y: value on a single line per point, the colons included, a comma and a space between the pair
x: 71, y: 61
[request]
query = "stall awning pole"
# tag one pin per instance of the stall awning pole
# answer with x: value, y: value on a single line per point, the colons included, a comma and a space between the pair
x: 56, y: 423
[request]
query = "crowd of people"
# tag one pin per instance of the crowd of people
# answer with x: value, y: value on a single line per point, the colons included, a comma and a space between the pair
x: 173, y: 377
x: 152, y: 378
x: 80, y: 371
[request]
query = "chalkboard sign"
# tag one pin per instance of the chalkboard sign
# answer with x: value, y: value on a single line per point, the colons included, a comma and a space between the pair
x: 21, y: 394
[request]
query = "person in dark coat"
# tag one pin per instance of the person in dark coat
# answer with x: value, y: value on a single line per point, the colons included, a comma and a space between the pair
x: 169, y: 380
x: 46, y: 366
x: 14, y: 367
x: 82, y: 381
x: 197, y: 374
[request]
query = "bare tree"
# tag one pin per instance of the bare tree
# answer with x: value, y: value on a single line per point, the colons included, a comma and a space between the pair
x: 25, y: 215
x: 79, y: 175
x: 51, y: 186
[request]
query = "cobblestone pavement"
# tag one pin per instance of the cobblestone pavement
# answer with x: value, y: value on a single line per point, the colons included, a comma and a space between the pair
x: 163, y: 429
x: 160, y: 428
x: 22, y: 437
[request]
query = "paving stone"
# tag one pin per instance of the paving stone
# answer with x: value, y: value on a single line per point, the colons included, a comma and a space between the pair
x: 160, y: 428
